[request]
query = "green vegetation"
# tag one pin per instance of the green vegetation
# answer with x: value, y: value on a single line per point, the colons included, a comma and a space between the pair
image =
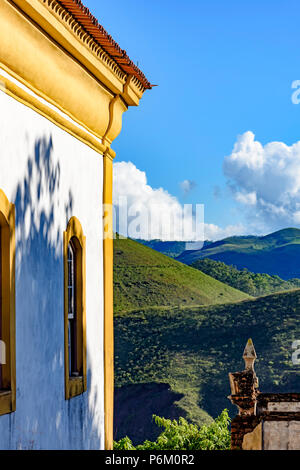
x: 275, y: 254
x: 172, y: 249
x: 194, y: 349
x: 172, y: 331
x: 254, y: 284
x: 181, y: 435
x: 148, y: 279
x: 169, y: 248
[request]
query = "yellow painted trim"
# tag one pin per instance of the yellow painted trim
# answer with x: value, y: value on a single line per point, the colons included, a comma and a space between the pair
x: 7, y: 225
x: 108, y: 301
x: 116, y: 109
x: 30, y: 55
x: 35, y: 104
x: 67, y: 32
x: 76, y: 386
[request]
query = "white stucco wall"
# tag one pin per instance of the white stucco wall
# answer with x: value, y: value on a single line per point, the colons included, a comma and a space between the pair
x: 51, y: 176
x: 281, y: 435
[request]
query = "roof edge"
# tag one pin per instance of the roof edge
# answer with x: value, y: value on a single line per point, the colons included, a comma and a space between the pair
x: 86, y: 19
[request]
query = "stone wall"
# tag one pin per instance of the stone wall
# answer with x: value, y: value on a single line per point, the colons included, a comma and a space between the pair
x: 240, y: 426
x: 266, y: 421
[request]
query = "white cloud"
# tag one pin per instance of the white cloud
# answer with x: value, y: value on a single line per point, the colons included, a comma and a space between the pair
x: 146, y: 212
x: 187, y: 186
x: 214, y: 232
x: 265, y: 179
x: 246, y: 198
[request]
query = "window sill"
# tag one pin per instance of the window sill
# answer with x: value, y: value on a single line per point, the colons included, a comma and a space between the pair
x: 6, y: 402
x: 76, y: 386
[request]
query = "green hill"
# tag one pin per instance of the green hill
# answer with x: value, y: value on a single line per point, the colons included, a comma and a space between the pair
x: 145, y: 278
x: 175, y: 362
x: 274, y: 254
x: 175, y: 342
x: 169, y: 248
x: 255, y: 284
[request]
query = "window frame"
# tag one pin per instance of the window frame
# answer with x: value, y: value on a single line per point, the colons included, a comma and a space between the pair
x: 75, y: 386
x: 8, y: 317
x: 72, y: 317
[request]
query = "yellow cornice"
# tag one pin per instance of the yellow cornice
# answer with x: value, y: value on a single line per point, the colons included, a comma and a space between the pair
x: 47, y: 53
x: 116, y: 109
x: 133, y: 91
x: 62, y: 27
x: 66, y: 31
x: 32, y: 101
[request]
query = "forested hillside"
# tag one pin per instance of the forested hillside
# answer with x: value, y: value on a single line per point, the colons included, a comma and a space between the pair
x: 175, y: 342
x: 144, y: 277
x: 255, y: 284
x: 274, y: 254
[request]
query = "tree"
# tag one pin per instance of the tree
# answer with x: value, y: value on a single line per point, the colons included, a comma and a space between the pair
x: 181, y: 435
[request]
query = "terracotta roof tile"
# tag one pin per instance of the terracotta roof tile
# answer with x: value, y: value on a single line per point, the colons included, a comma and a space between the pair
x: 83, y: 15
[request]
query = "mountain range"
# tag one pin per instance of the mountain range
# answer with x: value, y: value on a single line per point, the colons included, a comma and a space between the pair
x: 145, y: 278
x: 178, y: 332
x: 276, y: 254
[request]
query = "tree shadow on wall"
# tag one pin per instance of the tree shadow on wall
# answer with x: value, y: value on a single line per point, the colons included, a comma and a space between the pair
x: 44, y: 420
x: 39, y: 301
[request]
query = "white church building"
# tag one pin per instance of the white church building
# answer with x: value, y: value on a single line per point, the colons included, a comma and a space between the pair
x: 64, y: 85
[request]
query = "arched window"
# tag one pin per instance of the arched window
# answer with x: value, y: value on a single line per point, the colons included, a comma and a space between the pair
x: 7, y: 307
x: 75, y: 334
x: 72, y: 309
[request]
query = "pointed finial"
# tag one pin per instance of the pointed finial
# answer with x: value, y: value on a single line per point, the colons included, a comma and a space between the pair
x: 249, y: 355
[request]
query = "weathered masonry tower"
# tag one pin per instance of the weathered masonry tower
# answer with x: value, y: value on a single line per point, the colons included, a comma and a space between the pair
x: 266, y: 421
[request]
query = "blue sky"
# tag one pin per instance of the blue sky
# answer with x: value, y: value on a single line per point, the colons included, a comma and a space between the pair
x: 223, y: 69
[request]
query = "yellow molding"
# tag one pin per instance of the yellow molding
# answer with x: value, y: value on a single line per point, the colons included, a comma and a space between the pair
x: 132, y: 91
x: 7, y: 226
x: 116, y: 109
x: 78, y: 385
x: 67, y: 32
x: 32, y: 102
x: 80, y: 44
x: 32, y: 57
x: 18, y: 93
x: 108, y: 302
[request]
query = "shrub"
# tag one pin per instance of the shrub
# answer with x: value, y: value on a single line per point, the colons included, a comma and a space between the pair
x: 181, y: 435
